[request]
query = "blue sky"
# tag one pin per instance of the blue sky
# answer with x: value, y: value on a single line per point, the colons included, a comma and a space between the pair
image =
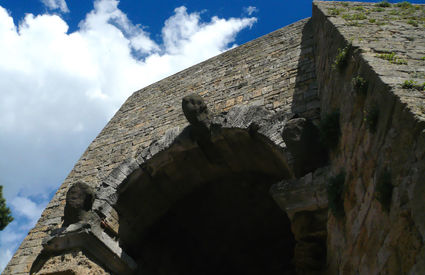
x: 67, y: 66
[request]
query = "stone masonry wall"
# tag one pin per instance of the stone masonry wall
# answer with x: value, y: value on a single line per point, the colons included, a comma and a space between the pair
x: 370, y: 66
x: 382, y: 142
x: 276, y: 71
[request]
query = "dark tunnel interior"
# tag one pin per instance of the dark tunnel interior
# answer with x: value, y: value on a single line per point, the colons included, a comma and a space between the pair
x: 229, y: 226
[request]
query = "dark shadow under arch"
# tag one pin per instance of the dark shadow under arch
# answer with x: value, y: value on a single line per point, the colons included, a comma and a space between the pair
x: 230, y: 226
x: 205, y: 208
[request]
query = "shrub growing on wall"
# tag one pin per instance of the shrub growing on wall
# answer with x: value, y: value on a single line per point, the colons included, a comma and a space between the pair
x: 341, y: 59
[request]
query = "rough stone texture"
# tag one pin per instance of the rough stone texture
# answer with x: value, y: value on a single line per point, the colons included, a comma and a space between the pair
x: 370, y: 240
x: 275, y: 71
x: 304, y: 194
x: 90, y: 239
x: 71, y: 263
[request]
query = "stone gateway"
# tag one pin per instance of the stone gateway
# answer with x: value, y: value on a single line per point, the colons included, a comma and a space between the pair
x: 301, y: 152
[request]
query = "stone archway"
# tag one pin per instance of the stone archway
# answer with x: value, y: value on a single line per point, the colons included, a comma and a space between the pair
x: 201, y: 201
x: 192, y: 209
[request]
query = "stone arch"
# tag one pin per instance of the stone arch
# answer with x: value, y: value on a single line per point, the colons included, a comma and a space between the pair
x: 207, y: 197
x: 166, y: 190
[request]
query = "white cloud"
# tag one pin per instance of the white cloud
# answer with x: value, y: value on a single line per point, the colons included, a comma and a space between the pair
x: 250, y: 10
x: 26, y: 208
x: 60, y: 88
x: 56, y: 5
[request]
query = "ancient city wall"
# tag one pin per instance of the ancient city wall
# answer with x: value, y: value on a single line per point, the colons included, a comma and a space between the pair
x: 382, y: 143
x: 361, y: 63
x: 276, y: 71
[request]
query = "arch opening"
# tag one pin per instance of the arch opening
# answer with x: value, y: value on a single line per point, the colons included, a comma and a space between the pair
x: 229, y: 226
x: 197, y: 210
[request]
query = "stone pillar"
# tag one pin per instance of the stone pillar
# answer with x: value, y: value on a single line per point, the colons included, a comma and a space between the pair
x: 305, y: 201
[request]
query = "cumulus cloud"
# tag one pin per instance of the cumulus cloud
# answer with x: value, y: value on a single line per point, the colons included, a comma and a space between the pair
x: 56, y: 5
x: 59, y: 88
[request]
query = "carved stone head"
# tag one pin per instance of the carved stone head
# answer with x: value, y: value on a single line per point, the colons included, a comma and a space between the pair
x: 195, y: 110
x: 79, y: 200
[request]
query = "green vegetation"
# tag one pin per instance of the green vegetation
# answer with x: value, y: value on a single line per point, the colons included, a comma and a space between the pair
x: 411, y: 84
x: 371, y: 118
x: 360, y: 85
x: 392, y: 58
x: 383, y: 4
x: 347, y: 17
x: 387, y: 56
x: 355, y: 16
x: 353, y: 23
x: 412, y: 22
x: 404, y: 5
x: 335, y: 192
x: 423, y: 57
x: 341, y: 58
x: 384, y: 190
x: 372, y: 20
x: 378, y: 9
x: 5, y: 214
x: 335, y: 11
x: 394, y: 12
x: 330, y: 130
x: 358, y: 8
